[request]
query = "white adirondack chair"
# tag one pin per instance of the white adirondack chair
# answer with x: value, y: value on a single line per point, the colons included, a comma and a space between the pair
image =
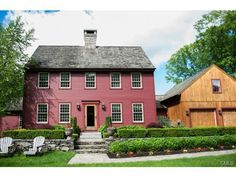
x: 37, y: 146
x: 5, y: 144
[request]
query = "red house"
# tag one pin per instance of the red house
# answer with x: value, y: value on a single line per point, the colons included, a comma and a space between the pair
x: 89, y: 82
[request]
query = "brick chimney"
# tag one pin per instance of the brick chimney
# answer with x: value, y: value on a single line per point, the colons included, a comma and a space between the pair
x: 90, y: 38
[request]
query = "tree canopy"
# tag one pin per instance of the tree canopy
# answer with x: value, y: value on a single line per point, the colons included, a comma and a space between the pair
x: 14, y: 40
x: 215, y: 44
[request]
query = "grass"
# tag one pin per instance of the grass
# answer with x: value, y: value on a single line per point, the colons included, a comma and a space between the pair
x: 60, y: 159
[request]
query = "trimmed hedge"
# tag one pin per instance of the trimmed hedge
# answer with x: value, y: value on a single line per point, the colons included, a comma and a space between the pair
x: 186, y: 132
x: 131, y: 133
x: 131, y: 127
x: 30, y: 134
x: 171, y: 143
x: 174, y: 132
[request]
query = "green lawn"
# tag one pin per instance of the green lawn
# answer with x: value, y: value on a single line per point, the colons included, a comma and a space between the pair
x: 60, y: 159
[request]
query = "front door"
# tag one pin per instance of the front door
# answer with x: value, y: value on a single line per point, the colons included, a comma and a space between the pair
x: 90, y: 116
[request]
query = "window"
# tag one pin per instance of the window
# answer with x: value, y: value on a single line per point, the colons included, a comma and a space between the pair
x: 43, y: 79
x: 90, y: 80
x: 20, y: 121
x: 64, y: 112
x: 42, y: 113
x: 137, y: 112
x: 65, y: 80
x: 216, y: 86
x: 115, y: 80
x: 116, y: 113
x: 136, y: 80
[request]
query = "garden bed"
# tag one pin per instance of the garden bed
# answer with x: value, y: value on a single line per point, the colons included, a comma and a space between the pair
x: 170, y: 145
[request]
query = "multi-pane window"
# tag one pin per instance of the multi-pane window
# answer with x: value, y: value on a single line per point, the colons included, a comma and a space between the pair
x: 64, y: 113
x: 137, y: 112
x: 116, y: 112
x: 115, y: 80
x: 90, y: 80
x: 65, y: 80
x: 136, y: 80
x: 42, y: 113
x: 43, y: 80
x: 216, y: 87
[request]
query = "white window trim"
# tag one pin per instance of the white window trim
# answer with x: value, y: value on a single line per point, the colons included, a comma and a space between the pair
x: 69, y: 81
x: 141, y: 80
x: 121, y: 117
x: 48, y: 80
x: 111, y: 80
x: 95, y: 80
x: 60, y: 113
x: 133, y: 113
x: 37, y: 113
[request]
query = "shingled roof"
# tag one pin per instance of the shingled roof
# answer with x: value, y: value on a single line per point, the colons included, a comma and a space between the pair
x: 101, y: 57
x: 179, y: 88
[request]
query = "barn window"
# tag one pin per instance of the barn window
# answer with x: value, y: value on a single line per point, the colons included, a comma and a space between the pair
x: 136, y: 80
x: 43, y: 80
x: 216, y: 86
x: 137, y: 112
x: 65, y: 79
x: 42, y: 113
x: 90, y: 80
x: 116, y: 112
x: 64, y: 112
x: 115, y: 80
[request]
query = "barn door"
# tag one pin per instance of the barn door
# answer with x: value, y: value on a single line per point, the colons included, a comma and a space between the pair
x: 203, y: 117
x: 229, y: 117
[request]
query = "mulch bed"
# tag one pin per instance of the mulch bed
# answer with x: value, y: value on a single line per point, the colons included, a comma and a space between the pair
x: 166, y: 152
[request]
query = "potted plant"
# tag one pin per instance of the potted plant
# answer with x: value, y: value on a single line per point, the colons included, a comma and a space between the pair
x: 68, y: 130
x: 110, y: 129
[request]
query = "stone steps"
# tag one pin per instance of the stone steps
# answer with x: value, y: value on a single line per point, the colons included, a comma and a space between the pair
x: 97, y: 146
x: 90, y: 151
x: 90, y: 142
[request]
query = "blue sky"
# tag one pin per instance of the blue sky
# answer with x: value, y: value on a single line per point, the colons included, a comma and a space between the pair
x: 160, y: 33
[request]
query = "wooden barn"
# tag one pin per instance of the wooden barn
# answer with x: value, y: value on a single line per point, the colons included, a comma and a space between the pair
x: 205, y: 99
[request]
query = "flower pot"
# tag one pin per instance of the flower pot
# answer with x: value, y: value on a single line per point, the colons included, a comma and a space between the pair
x: 110, y: 131
x: 68, y: 131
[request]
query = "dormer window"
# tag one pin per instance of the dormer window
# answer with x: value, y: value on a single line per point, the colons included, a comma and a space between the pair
x: 216, y: 86
x: 43, y: 80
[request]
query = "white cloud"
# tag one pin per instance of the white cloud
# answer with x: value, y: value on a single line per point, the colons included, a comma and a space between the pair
x: 160, y: 33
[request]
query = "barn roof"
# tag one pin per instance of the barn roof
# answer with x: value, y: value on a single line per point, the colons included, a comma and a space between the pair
x: 179, y: 88
x: 100, y: 57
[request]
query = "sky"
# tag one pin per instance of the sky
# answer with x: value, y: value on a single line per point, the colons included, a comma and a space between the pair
x: 159, y: 33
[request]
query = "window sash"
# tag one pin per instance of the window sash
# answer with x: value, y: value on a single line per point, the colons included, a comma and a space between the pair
x: 137, y: 112
x: 42, y: 113
x: 64, y: 112
x: 115, y: 80
x: 43, y: 80
x: 136, y: 80
x: 216, y: 86
x: 65, y: 80
x: 90, y: 80
x: 116, y: 112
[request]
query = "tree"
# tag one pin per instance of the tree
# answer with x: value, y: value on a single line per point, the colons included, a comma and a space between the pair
x: 14, y: 40
x: 215, y: 44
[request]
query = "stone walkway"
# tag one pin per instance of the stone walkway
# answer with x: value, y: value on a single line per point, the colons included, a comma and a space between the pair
x: 103, y: 158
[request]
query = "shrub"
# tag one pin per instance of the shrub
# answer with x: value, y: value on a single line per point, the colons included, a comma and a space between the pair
x: 30, y: 134
x: 75, y: 127
x: 171, y: 143
x: 154, y: 125
x: 133, y: 127
x: 108, y: 121
x: 75, y: 136
x: 163, y: 121
x: 58, y: 127
x: 131, y: 133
